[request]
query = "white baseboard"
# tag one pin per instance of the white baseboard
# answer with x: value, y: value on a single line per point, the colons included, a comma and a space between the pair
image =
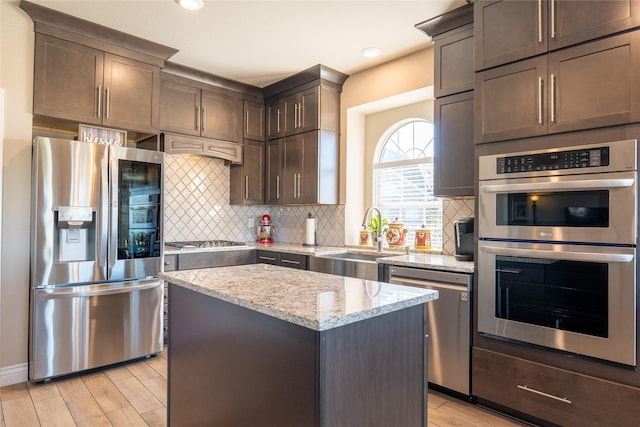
x: 14, y: 374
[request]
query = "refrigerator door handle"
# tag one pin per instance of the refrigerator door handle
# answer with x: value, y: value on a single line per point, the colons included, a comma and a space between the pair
x: 102, y: 290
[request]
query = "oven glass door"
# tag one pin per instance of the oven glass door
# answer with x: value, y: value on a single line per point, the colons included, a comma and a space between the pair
x: 573, y: 208
x: 576, y: 298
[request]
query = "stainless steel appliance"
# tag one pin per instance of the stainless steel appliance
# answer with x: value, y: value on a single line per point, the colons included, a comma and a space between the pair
x: 95, y: 256
x: 557, y: 249
x: 448, y: 324
x: 464, y: 239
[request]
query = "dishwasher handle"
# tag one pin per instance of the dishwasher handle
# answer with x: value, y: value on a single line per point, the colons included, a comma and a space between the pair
x: 423, y: 284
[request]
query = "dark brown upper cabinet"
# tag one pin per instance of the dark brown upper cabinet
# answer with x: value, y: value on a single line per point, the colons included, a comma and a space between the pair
x: 453, y: 61
x: 316, y: 107
x: 583, y: 87
x: 189, y: 108
x: 254, y: 127
x: 83, y: 84
x: 247, y: 179
x: 303, y: 169
x: 453, y: 149
x: 507, y: 31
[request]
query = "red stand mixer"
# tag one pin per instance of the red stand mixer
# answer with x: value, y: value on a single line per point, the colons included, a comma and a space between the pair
x: 265, y: 231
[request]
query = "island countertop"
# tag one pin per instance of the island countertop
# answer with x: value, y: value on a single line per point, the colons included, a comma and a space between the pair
x: 316, y: 301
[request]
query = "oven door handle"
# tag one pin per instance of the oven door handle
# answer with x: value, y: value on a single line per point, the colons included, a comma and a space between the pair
x: 568, y: 256
x: 587, y: 184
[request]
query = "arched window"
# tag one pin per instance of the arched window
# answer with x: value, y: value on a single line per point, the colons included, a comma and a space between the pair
x: 403, y: 178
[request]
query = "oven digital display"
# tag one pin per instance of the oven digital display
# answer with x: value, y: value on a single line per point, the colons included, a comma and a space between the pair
x: 573, y: 159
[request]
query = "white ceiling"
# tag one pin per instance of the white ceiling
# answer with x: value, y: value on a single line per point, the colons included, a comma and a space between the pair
x: 262, y: 41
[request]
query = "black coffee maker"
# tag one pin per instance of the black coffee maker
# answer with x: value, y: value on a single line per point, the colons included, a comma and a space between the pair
x: 463, y: 231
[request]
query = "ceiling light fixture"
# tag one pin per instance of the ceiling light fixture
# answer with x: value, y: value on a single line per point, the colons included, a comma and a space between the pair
x: 191, y: 4
x: 371, y: 52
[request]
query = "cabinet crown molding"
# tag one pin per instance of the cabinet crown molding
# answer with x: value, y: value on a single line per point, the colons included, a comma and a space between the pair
x: 319, y: 72
x: 447, y: 21
x: 62, y: 25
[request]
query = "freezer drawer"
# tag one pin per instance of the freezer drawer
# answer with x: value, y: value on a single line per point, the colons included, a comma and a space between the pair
x: 75, y: 328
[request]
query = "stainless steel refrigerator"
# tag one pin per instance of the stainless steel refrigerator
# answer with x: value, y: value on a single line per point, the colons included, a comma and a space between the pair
x: 96, y: 251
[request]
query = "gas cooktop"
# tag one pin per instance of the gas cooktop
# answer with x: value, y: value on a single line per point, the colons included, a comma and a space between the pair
x: 204, y: 244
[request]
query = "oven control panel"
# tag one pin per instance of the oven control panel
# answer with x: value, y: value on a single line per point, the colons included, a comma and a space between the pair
x: 572, y: 159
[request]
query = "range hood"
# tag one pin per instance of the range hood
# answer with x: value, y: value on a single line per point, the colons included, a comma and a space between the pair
x: 173, y: 143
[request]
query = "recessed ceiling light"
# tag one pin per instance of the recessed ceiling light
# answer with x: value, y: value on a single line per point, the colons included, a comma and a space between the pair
x: 371, y: 52
x: 191, y: 4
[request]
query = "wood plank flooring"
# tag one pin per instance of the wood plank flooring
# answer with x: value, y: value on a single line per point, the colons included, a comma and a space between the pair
x: 135, y: 394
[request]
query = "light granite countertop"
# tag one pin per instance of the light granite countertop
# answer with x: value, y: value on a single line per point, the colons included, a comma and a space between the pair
x: 316, y: 301
x: 392, y: 256
x: 430, y: 261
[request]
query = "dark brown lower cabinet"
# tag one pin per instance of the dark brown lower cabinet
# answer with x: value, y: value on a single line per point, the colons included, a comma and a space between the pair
x: 551, y: 395
x: 232, y: 366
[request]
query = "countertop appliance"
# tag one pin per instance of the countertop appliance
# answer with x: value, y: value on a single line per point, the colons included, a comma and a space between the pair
x: 464, y: 239
x: 557, y: 255
x: 96, y: 253
x: 448, y: 324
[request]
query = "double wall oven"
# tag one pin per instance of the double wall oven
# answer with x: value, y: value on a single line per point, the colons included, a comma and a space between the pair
x: 557, y: 249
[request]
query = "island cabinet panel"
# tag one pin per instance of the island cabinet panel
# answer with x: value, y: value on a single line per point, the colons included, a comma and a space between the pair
x: 453, y: 146
x: 583, y: 87
x: 188, y: 261
x: 232, y: 366
x: 507, y: 31
x: 79, y: 83
x: 247, y: 179
x: 550, y: 394
x: 373, y: 373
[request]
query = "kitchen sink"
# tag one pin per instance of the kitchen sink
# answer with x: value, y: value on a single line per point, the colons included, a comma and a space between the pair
x: 358, y: 265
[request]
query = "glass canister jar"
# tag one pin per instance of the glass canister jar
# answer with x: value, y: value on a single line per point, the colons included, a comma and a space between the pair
x: 396, y: 233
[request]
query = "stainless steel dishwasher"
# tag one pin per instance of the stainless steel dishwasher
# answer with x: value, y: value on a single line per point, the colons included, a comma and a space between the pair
x: 448, y: 324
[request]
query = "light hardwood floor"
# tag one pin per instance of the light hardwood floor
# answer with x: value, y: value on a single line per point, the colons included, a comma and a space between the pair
x: 135, y: 394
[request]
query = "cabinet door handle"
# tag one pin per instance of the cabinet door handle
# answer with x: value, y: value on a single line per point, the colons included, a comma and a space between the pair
x: 266, y: 258
x: 542, y: 393
x: 539, y: 21
x: 299, y: 185
x: 288, y: 261
x: 300, y: 111
x: 553, y: 98
x: 540, y: 85
x: 198, y: 117
x: 246, y: 186
x: 296, y: 113
x: 295, y: 185
x: 108, y: 101
x: 553, y: 19
x: 278, y: 187
x: 204, y: 119
x: 246, y: 127
x: 99, y: 100
x: 278, y: 120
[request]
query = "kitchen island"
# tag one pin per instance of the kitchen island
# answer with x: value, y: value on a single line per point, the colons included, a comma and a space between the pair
x: 262, y: 345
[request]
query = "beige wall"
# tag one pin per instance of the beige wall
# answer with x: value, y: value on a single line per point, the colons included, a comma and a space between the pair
x: 391, y: 86
x: 16, y: 77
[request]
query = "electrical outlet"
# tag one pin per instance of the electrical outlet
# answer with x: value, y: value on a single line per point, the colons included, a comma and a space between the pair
x: 250, y: 222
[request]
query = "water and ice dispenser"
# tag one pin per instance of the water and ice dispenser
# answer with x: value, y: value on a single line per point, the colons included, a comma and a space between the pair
x: 75, y: 228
